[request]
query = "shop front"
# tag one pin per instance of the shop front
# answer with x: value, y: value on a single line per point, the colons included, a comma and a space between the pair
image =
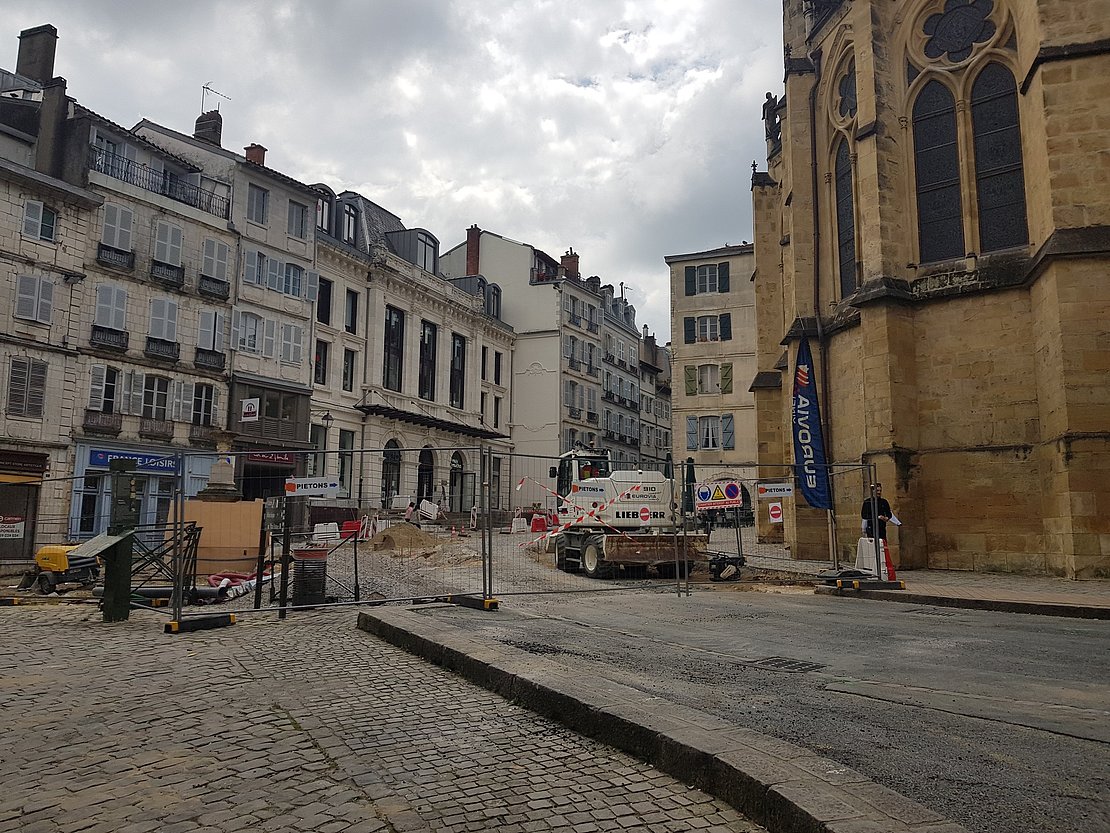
x: 156, y: 478
x: 263, y: 473
x: 20, y: 474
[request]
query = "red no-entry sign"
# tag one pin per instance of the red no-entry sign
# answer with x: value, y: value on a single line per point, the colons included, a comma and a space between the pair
x: 774, y: 512
x: 645, y: 514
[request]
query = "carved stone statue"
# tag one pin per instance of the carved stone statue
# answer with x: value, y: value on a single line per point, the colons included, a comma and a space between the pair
x: 771, y: 119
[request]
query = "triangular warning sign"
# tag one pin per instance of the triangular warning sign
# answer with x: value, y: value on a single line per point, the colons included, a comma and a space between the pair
x: 718, y: 493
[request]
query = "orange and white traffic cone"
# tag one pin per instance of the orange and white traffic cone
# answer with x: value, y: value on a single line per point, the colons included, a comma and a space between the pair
x: 890, y: 574
x: 455, y: 533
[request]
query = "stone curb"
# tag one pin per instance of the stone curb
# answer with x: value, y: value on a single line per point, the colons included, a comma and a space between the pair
x: 786, y: 788
x: 907, y: 597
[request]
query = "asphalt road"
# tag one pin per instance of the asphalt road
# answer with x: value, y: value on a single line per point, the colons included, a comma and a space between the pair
x: 999, y: 721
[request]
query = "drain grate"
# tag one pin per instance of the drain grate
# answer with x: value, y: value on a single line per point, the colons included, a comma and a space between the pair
x: 786, y: 664
x: 932, y: 611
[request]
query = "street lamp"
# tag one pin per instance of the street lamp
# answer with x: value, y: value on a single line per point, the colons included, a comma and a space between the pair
x: 322, y: 459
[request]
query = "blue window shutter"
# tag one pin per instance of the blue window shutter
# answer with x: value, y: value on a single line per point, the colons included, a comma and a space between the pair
x: 722, y: 277
x: 724, y: 324
x: 691, y: 433
x: 691, y: 280
x: 689, y: 330
x: 728, y: 432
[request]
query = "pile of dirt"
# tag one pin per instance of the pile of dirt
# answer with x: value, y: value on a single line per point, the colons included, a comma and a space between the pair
x: 403, y: 536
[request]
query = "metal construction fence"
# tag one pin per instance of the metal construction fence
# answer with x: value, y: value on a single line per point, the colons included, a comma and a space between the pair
x: 356, y: 526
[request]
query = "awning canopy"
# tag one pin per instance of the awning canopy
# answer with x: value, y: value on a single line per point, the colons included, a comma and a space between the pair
x: 387, y: 412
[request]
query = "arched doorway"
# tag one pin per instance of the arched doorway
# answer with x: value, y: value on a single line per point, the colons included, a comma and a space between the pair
x: 425, y: 475
x: 391, y: 473
x: 461, y: 484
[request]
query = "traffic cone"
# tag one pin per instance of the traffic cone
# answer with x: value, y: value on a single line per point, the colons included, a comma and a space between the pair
x: 890, y: 574
x: 455, y: 533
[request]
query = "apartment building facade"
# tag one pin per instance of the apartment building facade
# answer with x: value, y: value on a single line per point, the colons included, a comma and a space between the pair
x: 424, y: 380
x: 713, y: 355
x: 655, y: 402
x: 274, y: 284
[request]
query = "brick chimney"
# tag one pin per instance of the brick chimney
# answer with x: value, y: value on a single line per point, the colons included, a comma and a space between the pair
x: 569, y: 262
x: 473, y: 250
x: 36, y: 53
x: 255, y: 153
x: 210, y: 128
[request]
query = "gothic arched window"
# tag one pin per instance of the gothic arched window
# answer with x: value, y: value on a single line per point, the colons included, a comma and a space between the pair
x: 845, y: 220
x: 999, y: 176
x: 937, y: 164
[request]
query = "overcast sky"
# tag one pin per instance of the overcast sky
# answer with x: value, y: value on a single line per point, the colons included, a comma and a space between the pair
x: 624, y: 129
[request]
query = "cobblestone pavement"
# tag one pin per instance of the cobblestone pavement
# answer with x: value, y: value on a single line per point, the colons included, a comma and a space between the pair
x: 308, y: 725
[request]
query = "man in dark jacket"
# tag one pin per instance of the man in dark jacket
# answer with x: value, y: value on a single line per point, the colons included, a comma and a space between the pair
x: 882, y: 509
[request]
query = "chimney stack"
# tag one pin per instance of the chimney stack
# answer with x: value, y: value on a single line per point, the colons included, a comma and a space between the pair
x: 255, y: 153
x: 36, y: 53
x: 473, y: 250
x: 569, y: 262
x: 210, y: 128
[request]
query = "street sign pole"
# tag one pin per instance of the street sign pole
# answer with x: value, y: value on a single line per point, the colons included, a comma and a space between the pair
x: 286, y: 560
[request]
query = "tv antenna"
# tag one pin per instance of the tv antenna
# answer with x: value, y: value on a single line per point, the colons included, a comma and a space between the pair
x: 207, y: 88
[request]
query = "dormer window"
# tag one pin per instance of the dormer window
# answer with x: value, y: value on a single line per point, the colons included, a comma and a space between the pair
x: 323, y: 214
x: 426, y: 252
x: 350, y: 224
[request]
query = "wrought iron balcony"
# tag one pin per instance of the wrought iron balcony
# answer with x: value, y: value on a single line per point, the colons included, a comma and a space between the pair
x: 159, y: 429
x: 108, y: 338
x: 202, y: 435
x: 167, y: 273
x: 165, y: 183
x: 576, y: 320
x: 591, y: 416
x: 159, y: 348
x: 576, y: 413
x: 574, y: 364
x: 609, y: 396
x: 113, y: 257
x: 210, y: 359
x: 213, y: 287
x: 609, y: 434
x: 593, y: 370
x: 98, y: 422
x: 591, y: 326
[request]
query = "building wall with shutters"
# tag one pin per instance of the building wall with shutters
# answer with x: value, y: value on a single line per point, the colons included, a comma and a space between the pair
x: 713, y: 361
x: 952, y: 286
x: 40, y: 291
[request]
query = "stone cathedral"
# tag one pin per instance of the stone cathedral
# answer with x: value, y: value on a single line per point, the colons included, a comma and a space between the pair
x: 935, y: 218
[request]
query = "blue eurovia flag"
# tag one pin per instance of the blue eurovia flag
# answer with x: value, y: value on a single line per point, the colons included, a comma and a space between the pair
x: 809, y: 447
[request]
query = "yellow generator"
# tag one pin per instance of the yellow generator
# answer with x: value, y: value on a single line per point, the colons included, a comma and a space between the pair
x: 61, y: 564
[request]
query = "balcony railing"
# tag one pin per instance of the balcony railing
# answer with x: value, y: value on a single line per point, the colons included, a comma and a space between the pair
x: 98, y: 422
x: 574, y: 364
x: 160, y: 182
x: 591, y: 416
x: 210, y: 359
x: 576, y: 413
x: 592, y: 370
x: 609, y: 396
x: 201, y: 435
x: 592, y: 326
x: 159, y: 348
x: 108, y: 338
x: 167, y: 273
x: 113, y: 257
x: 274, y: 429
x: 609, y: 434
x: 213, y: 287
x: 160, y: 429
x: 576, y: 320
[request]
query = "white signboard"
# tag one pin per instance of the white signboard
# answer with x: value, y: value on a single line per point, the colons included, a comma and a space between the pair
x: 249, y: 412
x: 312, y: 487
x: 774, y: 513
x: 11, y: 526
x: 775, y: 490
x: 722, y: 495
